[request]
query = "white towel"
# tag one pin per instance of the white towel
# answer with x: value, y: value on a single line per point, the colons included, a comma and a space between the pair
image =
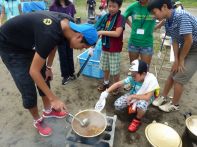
x: 150, y: 84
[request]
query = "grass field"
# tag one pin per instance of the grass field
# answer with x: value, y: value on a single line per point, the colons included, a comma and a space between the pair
x: 81, y: 6
x: 186, y: 3
x: 82, y: 12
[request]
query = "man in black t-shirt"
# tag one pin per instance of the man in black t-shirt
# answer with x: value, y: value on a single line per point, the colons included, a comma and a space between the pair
x: 27, y: 48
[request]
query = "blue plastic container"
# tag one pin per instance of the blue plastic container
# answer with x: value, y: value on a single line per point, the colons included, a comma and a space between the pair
x: 92, y: 68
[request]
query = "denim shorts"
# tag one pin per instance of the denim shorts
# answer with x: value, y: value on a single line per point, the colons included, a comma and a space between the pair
x: 140, y: 50
x: 18, y: 65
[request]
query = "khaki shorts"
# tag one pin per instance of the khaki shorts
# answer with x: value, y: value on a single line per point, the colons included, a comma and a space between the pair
x: 110, y: 62
x: 190, y: 69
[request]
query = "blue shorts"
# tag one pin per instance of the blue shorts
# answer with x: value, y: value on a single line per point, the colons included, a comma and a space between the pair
x: 140, y: 50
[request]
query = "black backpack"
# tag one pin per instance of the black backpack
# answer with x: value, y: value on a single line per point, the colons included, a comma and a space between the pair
x: 92, y: 3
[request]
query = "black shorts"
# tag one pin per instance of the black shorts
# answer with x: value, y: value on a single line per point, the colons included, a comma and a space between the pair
x: 18, y: 65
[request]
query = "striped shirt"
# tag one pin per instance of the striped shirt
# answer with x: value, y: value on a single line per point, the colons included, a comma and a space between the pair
x: 180, y: 23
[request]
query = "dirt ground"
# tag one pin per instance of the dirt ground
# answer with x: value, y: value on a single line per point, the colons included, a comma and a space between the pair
x: 16, y: 129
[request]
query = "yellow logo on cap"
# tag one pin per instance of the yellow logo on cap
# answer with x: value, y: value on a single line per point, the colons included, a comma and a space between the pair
x: 47, y: 21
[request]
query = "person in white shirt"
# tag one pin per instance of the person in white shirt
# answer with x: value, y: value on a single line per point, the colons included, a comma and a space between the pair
x: 144, y: 89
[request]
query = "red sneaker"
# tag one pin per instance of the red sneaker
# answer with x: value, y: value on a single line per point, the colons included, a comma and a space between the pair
x: 134, y: 125
x: 53, y: 113
x: 42, y: 128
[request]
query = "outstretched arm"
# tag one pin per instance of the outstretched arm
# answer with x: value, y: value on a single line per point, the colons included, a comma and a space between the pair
x: 115, y: 86
x: 115, y: 33
x: 105, y: 93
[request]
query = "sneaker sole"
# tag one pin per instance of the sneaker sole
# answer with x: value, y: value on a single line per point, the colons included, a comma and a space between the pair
x: 53, y: 116
x: 65, y: 83
x: 41, y: 133
x: 168, y: 111
x: 45, y: 135
x: 160, y: 104
x: 134, y: 130
x: 157, y: 105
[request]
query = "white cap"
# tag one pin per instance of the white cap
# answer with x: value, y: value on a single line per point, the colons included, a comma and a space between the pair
x: 134, y: 65
x: 139, y: 66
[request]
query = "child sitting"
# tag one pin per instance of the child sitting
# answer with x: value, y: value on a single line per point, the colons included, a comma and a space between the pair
x: 144, y: 85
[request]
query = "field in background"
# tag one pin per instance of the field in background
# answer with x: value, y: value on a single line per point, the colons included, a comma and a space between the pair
x: 80, y: 5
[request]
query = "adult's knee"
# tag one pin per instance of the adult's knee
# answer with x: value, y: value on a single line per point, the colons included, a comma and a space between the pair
x: 29, y: 102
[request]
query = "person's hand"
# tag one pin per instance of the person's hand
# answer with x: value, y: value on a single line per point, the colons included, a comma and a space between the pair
x: 58, y: 105
x: 181, y: 66
x: 174, y: 68
x: 129, y: 99
x: 48, y: 74
x: 99, y: 33
x: 90, y: 51
x: 104, y: 95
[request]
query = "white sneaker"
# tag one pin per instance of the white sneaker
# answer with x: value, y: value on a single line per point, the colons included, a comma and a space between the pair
x: 159, y: 101
x: 168, y: 107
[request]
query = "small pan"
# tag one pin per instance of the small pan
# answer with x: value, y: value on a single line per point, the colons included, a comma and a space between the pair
x: 97, y: 123
x: 191, y: 124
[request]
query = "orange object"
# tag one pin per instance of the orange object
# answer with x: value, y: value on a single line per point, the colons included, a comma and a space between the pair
x: 130, y: 109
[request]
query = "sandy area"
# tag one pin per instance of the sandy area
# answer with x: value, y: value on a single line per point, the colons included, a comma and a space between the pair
x: 16, y: 129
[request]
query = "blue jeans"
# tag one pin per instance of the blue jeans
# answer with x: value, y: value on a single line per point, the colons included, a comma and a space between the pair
x: 140, y: 50
x: 18, y: 65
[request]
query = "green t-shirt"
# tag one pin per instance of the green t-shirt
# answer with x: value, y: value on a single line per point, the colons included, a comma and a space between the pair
x: 141, y: 19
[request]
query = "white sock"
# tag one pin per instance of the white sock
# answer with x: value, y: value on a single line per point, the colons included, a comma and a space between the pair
x: 47, y: 110
x: 106, y: 82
